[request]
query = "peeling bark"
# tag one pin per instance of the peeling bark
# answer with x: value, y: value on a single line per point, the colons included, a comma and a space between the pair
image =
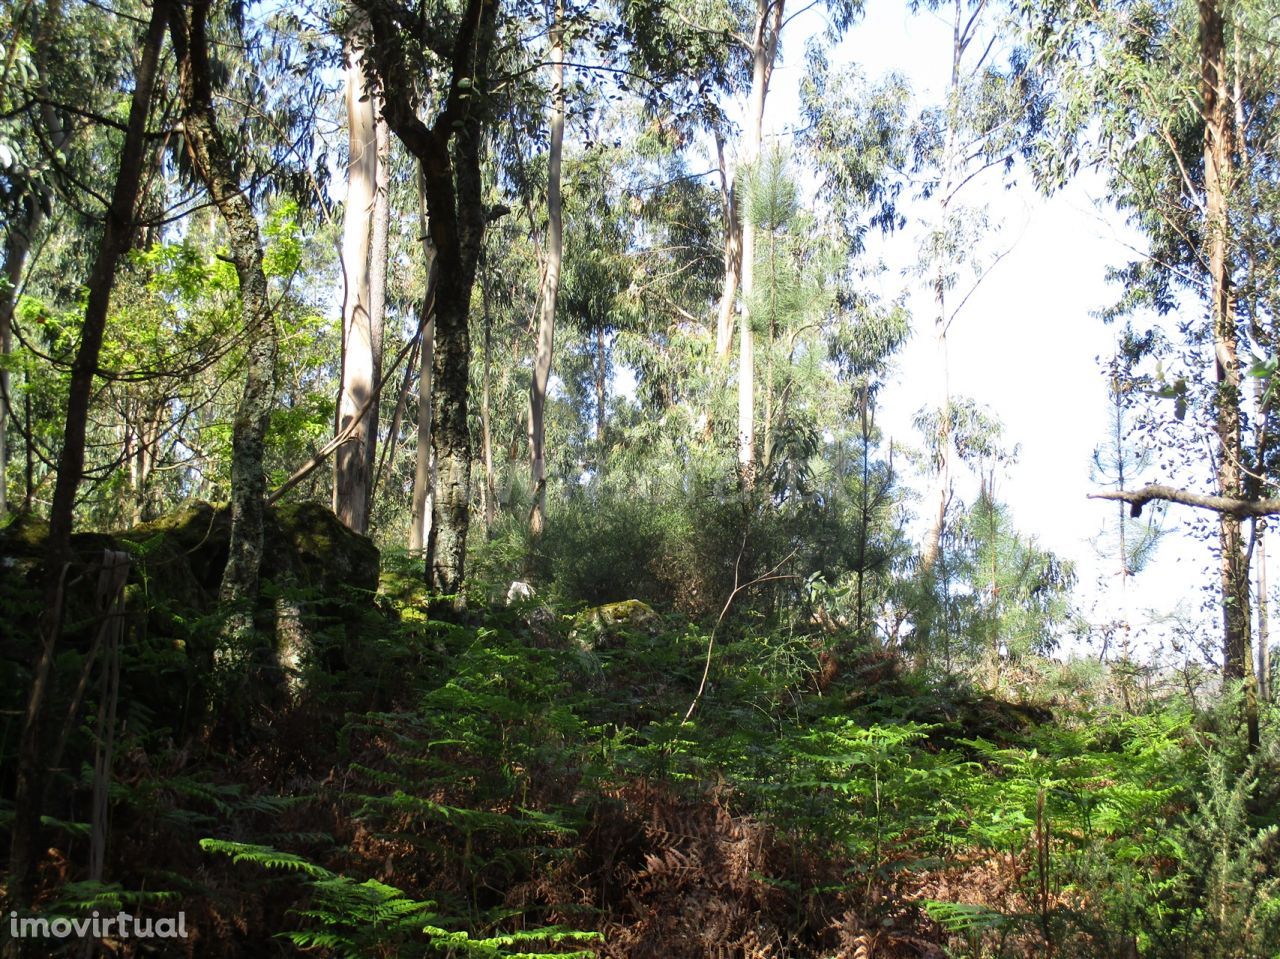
x: 351, y: 475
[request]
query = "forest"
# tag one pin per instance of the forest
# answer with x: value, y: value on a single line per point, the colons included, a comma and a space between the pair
x: 545, y: 478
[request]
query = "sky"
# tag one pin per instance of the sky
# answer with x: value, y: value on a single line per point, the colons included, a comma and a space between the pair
x: 1026, y: 344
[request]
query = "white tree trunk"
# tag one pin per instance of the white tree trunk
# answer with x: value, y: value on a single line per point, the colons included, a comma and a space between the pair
x: 960, y: 39
x: 550, y: 285
x: 351, y: 468
x: 424, y: 465
x: 379, y: 245
x: 732, y: 256
x: 764, y: 48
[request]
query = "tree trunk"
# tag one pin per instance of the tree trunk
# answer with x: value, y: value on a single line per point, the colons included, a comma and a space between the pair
x: 602, y: 389
x: 486, y: 424
x: 864, y: 524
x: 1264, y: 626
x: 117, y: 234
x: 386, y: 466
x: 550, y: 286
x: 17, y: 243
x: 960, y: 38
x: 423, y: 473
x: 214, y: 163
x: 351, y: 475
x: 1219, y: 145
x: 454, y: 191
x: 19, y: 235
x: 378, y: 265
x: 732, y: 255
x: 764, y: 49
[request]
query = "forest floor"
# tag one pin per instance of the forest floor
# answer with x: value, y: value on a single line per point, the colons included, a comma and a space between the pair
x: 521, y: 781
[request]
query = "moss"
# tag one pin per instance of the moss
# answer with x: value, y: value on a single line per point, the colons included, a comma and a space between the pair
x: 629, y: 612
x: 607, y: 625
x: 24, y: 535
x: 172, y: 595
x: 306, y: 541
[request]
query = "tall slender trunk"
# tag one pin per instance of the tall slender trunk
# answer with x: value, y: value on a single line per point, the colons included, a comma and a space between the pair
x: 387, y: 463
x: 1264, y: 626
x: 1118, y: 439
x: 486, y: 424
x: 550, y: 285
x: 732, y: 255
x: 213, y: 161
x: 423, y: 473
x: 17, y: 244
x: 764, y: 49
x: 941, y: 323
x: 117, y: 234
x: 449, y: 151
x: 1262, y: 397
x: 143, y: 430
x: 864, y: 524
x: 1219, y: 146
x: 351, y: 477
x: 602, y: 388
x: 378, y: 251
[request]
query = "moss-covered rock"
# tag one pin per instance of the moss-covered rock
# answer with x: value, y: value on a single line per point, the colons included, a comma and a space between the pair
x: 606, y: 626
x: 306, y: 541
x: 313, y: 570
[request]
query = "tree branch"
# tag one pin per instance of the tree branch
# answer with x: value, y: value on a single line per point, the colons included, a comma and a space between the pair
x: 1217, y: 504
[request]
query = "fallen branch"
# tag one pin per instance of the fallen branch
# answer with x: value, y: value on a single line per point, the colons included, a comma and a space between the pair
x: 1241, y: 508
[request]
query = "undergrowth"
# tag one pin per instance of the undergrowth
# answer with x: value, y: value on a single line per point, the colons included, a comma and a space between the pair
x: 503, y: 786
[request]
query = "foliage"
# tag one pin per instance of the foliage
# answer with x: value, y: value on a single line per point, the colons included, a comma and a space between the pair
x: 821, y: 740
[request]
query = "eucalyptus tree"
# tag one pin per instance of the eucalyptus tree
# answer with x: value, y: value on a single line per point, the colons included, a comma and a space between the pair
x: 407, y: 45
x: 424, y: 462
x: 379, y: 265
x: 762, y: 46
x: 214, y: 161
x: 730, y: 51
x: 1183, y: 96
x: 989, y: 108
x: 551, y: 268
x: 357, y: 416
x: 761, y: 42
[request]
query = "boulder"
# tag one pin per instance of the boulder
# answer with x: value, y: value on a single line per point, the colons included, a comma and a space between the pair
x: 313, y: 570
x: 520, y: 592
x: 607, y: 626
